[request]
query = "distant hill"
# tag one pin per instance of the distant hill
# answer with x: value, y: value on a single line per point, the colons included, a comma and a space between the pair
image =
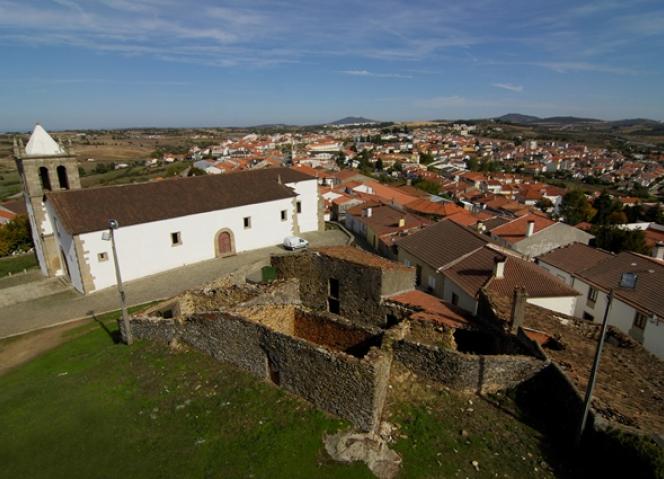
x: 352, y: 120
x: 518, y: 118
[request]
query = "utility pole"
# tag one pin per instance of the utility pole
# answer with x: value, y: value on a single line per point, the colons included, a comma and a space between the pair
x: 129, y: 339
x: 593, y: 373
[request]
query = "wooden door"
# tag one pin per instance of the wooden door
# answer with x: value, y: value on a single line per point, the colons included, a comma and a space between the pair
x: 225, y: 246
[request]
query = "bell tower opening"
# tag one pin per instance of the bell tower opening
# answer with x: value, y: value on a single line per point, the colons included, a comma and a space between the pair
x: 62, y: 177
x: 45, y: 179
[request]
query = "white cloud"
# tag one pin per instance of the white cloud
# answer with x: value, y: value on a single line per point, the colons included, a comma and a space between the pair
x: 366, y: 73
x: 508, y: 86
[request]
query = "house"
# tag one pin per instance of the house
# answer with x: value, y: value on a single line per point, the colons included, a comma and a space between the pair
x: 455, y: 263
x: 637, y: 282
x: 162, y: 224
x: 381, y: 225
x: 533, y: 234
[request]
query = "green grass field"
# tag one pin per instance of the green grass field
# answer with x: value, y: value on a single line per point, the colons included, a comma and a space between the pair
x: 94, y: 408
x: 16, y: 264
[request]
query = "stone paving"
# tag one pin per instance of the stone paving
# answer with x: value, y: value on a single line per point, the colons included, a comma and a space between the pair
x: 70, y: 305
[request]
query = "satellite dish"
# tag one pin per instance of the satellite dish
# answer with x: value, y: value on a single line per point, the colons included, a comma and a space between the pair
x: 628, y: 280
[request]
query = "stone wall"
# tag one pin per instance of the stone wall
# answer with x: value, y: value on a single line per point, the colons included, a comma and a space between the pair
x: 350, y: 387
x: 466, y: 372
x: 361, y: 288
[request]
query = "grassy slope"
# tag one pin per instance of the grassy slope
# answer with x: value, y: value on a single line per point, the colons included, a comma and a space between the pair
x: 16, y: 264
x: 91, y: 408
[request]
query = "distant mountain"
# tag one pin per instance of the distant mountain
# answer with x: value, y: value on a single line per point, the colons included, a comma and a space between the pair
x: 631, y: 122
x: 518, y: 118
x: 567, y: 120
x: 352, y: 120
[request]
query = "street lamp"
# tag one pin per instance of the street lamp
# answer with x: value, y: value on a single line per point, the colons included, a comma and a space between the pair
x: 110, y: 235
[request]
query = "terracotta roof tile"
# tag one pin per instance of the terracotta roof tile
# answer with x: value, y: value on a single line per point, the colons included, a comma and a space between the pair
x: 575, y: 257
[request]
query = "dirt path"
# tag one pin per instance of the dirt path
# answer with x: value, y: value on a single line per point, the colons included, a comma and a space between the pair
x: 21, y: 349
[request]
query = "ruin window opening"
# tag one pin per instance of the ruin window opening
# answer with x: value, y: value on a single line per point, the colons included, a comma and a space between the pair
x: 474, y: 342
x: 45, y: 180
x: 62, y: 177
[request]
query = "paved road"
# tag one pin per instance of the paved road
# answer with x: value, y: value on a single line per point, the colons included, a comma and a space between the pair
x: 69, y: 305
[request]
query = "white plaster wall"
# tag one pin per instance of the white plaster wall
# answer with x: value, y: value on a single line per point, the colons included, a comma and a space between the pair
x: 307, y: 192
x: 36, y: 238
x: 559, y: 273
x: 146, y: 249
x: 621, y: 315
x: 653, y: 338
x: 563, y: 304
x: 466, y: 302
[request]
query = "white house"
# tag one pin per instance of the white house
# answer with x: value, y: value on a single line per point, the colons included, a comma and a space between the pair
x: 176, y: 222
x: 637, y: 282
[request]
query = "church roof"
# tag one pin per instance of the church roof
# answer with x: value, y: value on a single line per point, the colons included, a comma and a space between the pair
x: 86, y: 210
x: 41, y: 144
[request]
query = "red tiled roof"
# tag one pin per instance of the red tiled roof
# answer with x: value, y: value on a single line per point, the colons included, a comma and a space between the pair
x: 432, y: 309
x: 475, y: 271
x: 575, y: 257
x: 515, y: 230
x: 427, y: 207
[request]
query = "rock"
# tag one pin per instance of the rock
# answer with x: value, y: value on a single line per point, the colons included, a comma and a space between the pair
x: 366, y: 447
x: 464, y: 433
x: 476, y: 465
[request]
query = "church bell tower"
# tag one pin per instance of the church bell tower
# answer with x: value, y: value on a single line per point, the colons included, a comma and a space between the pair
x: 44, y: 165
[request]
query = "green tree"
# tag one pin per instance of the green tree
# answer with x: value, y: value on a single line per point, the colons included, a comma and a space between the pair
x: 427, y: 185
x: 612, y: 238
x: 606, y: 207
x: 426, y: 158
x: 544, y: 204
x: 473, y: 164
x: 575, y: 208
x: 15, y: 236
x: 379, y: 165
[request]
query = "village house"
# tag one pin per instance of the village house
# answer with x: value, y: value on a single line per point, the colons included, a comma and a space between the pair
x: 162, y: 225
x: 455, y: 263
x: 534, y: 234
x: 637, y: 282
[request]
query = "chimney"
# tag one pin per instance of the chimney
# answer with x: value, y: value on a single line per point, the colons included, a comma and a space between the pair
x: 402, y: 222
x: 481, y: 227
x: 658, y: 250
x: 499, y: 266
x: 369, y: 212
x: 518, y: 308
x: 531, y: 228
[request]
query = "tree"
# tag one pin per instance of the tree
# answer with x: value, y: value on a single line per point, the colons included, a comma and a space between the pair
x: 544, y: 204
x: 15, y: 236
x: 575, y: 208
x: 426, y: 158
x: 606, y: 207
x: 473, y: 164
x: 379, y: 165
x: 612, y: 238
x: 426, y: 185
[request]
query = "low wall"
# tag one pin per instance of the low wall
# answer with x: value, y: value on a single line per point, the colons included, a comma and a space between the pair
x: 349, y: 387
x: 466, y: 372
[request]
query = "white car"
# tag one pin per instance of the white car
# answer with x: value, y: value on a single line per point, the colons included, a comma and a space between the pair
x: 293, y: 243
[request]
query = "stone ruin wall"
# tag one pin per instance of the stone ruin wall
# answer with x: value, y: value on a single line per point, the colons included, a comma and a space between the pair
x: 349, y: 387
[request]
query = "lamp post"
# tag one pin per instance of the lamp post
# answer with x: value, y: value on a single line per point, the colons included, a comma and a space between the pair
x: 113, y: 225
x: 593, y: 373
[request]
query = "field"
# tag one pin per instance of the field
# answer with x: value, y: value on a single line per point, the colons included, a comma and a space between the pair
x: 16, y: 264
x: 94, y: 408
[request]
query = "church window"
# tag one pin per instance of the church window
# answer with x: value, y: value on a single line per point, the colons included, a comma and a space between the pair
x: 247, y: 222
x: 298, y: 206
x: 101, y: 257
x: 62, y: 177
x: 45, y: 180
x: 284, y: 216
x: 176, y: 239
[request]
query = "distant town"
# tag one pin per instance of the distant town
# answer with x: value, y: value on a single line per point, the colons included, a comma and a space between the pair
x: 361, y: 266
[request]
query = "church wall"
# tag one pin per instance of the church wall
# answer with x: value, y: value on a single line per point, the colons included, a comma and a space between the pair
x: 147, y: 249
x: 308, y: 195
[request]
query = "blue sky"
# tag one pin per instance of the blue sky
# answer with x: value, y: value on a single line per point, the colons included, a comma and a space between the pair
x: 122, y: 63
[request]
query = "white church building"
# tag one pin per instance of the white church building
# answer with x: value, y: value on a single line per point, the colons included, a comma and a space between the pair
x: 162, y: 224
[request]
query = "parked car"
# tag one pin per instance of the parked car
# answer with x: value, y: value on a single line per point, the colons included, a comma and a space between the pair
x: 293, y: 243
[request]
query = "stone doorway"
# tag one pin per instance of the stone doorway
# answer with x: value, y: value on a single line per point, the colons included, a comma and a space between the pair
x: 224, y: 244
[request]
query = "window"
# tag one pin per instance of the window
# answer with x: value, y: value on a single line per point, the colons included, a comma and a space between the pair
x: 432, y: 282
x: 333, y: 303
x: 406, y: 262
x: 298, y: 207
x: 176, y: 239
x: 247, y: 222
x: 284, y: 216
x: 62, y: 177
x: 640, y: 320
x: 588, y: 316
x: 418, y: 275
x: 455, y: 299
x: 592, y: 295
x: 45, y: 180
x: 101, y: 257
